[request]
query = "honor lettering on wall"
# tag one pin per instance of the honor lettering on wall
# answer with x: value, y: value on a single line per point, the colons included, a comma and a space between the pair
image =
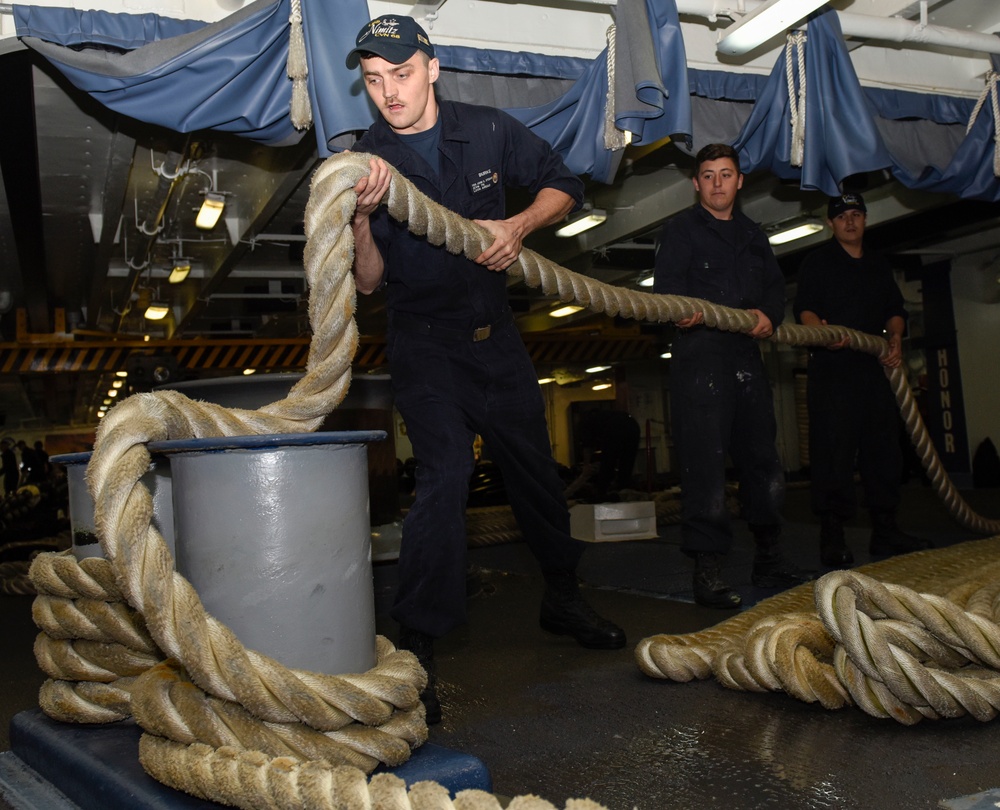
x: 945, y: 404
x: 945, y: 408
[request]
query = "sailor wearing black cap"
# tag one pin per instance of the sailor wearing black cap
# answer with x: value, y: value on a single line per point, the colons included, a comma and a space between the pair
x: 853, y: 418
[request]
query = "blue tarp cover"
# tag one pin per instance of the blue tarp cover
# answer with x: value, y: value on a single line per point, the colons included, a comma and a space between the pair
x: 230, y: 76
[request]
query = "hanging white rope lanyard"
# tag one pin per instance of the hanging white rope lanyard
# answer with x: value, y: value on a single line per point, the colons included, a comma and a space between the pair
x: 298, y: 69
x: 614, y: 138
x: 795, y: 67
x: 990, y: 91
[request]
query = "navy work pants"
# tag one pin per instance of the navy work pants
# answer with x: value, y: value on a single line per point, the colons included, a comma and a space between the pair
x: 721, y: 403
x: 447, y: 391
x: 853, y: 423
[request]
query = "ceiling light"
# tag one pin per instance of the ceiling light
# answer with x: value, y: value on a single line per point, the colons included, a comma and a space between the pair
x: 156, y: 312
x: 646, y: 281
x: 601, y: 386
x: 211, y: 210
x: 546, y: 380
x: 117, y: 384
x: 180, y: 270
x: 793, y: 232
x: 583, y: 221
x: 121, y: 373
x: 562, y: 312
x: 145, y: 338
x: 595, y: 369
x: 768, y: 19
x: 248, y: 371
x: 666, y: 355
x: 106, y: 402
x: 113, y: 393
x: 100, y: 414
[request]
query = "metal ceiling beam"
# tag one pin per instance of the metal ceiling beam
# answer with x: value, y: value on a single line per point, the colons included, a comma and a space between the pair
x: 116, y: 175
x: 22, y: 184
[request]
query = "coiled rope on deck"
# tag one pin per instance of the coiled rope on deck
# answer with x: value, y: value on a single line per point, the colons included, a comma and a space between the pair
x: 221, y: 683
x: 907, y: 638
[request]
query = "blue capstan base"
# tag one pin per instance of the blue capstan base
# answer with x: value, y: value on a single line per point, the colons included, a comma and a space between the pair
x: 64, y: 766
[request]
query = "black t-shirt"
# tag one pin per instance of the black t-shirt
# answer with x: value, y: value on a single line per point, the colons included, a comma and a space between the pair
x: 425, y: 144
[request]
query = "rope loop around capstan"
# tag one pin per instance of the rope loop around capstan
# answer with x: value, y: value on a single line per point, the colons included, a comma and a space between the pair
x: 220, y: 683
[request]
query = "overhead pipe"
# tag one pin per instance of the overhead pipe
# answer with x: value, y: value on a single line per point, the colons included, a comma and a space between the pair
x: 863, y: 26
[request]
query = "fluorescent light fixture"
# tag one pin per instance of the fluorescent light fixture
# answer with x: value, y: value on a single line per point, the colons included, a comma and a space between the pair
x: 794, y: 232
x: 546, y: 380
x: 595, y: 369
x: 562, y: 312
x: 601, y: 386
x: 248, y: 371
x: 768, y: 19
x: 180, y: 271
x: 211, y: 210
x: 583, y: 221
x: 121, y: 373
x: 646, y: 281
x: 156, y: 312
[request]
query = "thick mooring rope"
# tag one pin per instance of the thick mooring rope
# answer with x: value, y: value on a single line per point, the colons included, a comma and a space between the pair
x: 227, y: 723
x: 926, y: 645
x: 443, y: 227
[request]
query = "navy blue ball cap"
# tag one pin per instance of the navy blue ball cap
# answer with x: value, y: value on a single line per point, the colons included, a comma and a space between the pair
x: 393, y: 37
x: 845, y: 202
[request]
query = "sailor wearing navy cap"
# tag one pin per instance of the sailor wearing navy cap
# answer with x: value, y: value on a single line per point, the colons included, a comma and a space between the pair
x: 459, y: 367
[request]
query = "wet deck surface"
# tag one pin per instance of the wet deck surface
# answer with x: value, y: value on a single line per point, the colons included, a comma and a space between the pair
x: 553, y: 719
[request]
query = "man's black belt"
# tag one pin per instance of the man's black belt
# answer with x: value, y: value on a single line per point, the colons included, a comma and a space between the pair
x: 418, y: 326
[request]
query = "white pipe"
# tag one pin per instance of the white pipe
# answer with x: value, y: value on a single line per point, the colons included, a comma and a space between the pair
x: 863, y: 26
x: 764, y: 23
x: 896, y: 29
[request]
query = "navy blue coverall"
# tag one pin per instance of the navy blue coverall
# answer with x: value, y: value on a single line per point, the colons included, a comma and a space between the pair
x: 720, y: 396
x: 853, y: 416
x: 449, y: 381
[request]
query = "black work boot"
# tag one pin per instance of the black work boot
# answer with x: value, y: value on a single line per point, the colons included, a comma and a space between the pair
x: 422, y: 646
x: 888, y: 539
x: 770, y: 568
x: 833, y: 550
x: 709, y: 589
x: 566, y: 613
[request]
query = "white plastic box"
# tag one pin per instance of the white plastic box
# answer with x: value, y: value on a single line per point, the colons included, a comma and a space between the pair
x: 606, y: 522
